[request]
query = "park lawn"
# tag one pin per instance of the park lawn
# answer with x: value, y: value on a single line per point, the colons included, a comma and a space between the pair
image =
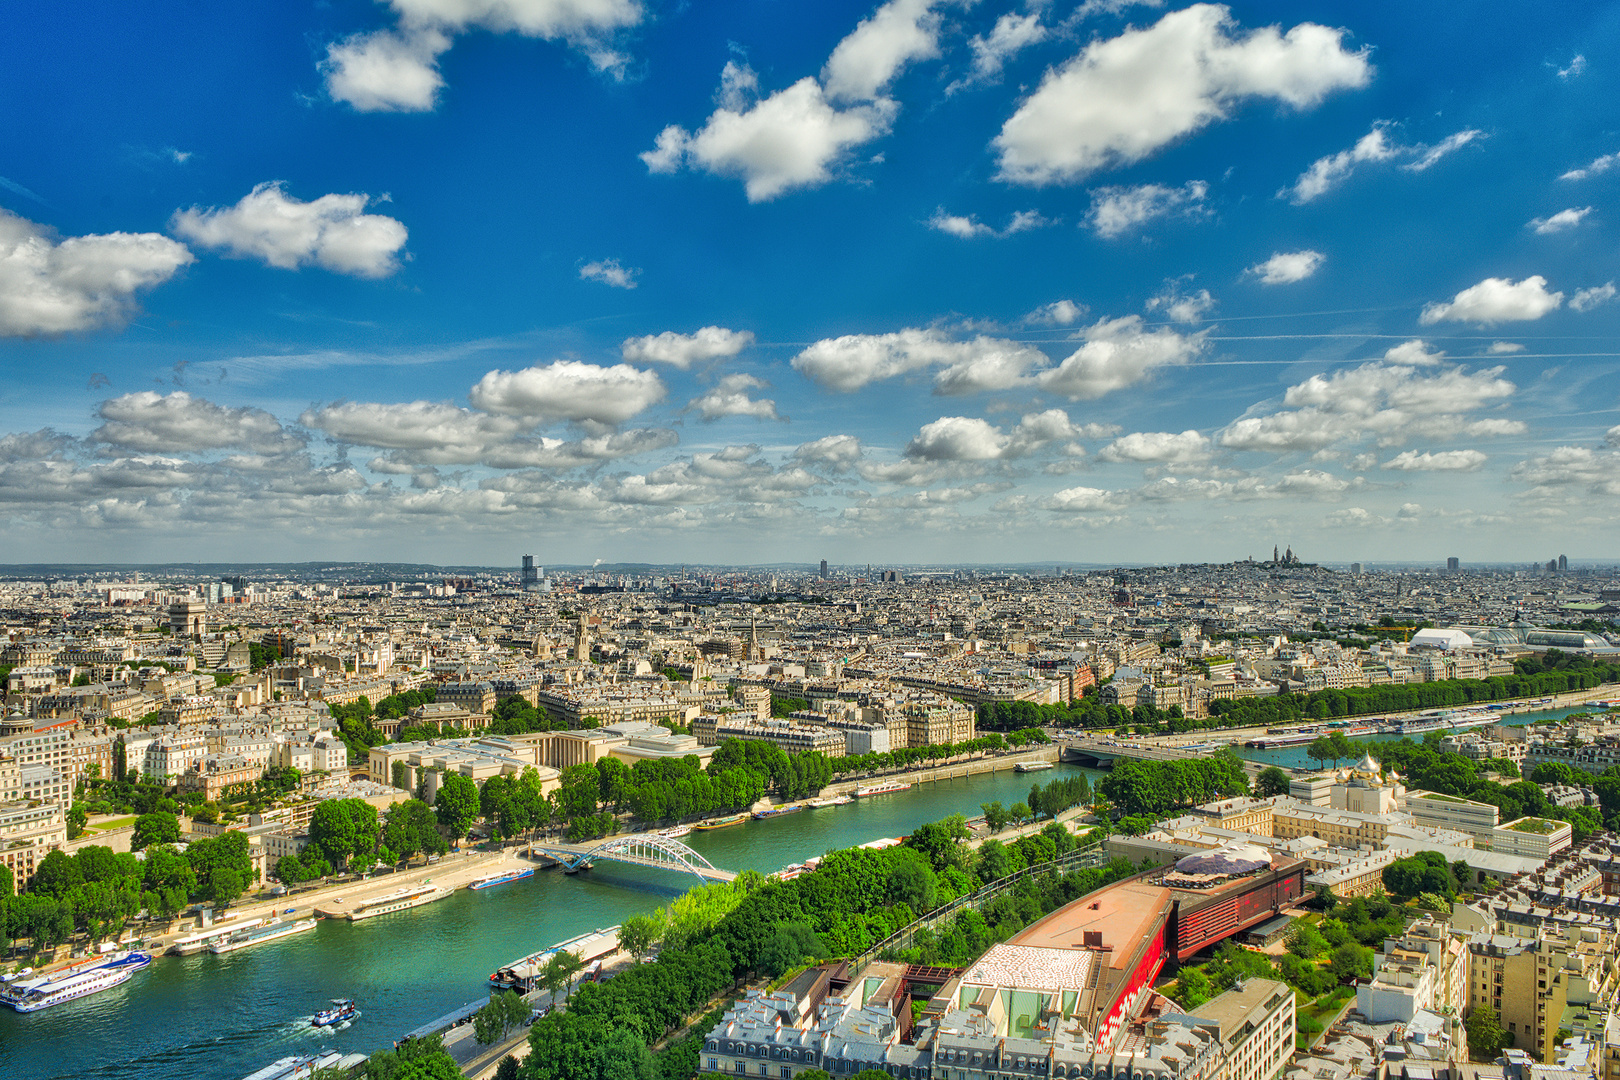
x: 106, y: 826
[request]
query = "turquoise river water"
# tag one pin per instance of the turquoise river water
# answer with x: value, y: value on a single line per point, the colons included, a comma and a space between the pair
x: 225, y: 1016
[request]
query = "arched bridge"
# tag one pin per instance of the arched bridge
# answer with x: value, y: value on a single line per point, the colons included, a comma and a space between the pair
x: 637, y: 849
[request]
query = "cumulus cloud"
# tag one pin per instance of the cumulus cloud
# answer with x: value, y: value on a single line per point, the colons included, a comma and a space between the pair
x: 149, y: 422
x: 1496, y: 300
x: 1571, y: 470
x: 569, y: 390
x: 1438, y: 461
x: 1327, y: 173
x: 1499, y: 348
x: 1123, y: 98
x: 850, y: 362
x: 798, y: 137
x: 1182, y: 307
x: 332, y: 232
x: 386, y: 71
x: 968, y: 438
x: 1388, y: 400
x: 1597, y: 167
x: 1080, y: 500
x: 610, y: 272
x: 1161, y: 447
x: 867, y: 60
x: 396, y: 70
x: 1057, y: 313
x: 1587, y: 299
x: 1117, y: 353
x: 836, y: 451
x: 1564, y: 219
x: 1115, y: 210
x: 1576, y: 67
x: 684, y: 350
x: 81, y: 283
x: 1287, y: 267
x: 729, y: 397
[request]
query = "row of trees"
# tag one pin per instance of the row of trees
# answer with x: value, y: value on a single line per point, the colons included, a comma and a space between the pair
x: 908, y: 756
x: 1154, y: 787
x: 97, y: 891
x: 349, y: 833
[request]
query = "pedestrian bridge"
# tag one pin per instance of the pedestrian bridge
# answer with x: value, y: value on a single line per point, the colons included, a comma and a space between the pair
x: 637, y: 849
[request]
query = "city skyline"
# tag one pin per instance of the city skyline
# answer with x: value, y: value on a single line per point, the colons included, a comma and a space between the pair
x: 905, y: 283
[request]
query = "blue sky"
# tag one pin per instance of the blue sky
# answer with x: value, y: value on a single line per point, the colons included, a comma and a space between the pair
x: 447, y: 280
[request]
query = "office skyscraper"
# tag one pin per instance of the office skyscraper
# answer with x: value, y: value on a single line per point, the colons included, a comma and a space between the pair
x: 531, y: 573
x: 1453, y: 564
x: 823, y: 567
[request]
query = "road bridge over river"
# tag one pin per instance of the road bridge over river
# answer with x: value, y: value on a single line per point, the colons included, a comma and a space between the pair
x: 1102, y: 753
x: 637, y: 849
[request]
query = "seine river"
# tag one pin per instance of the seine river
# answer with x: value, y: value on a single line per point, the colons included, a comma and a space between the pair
x: 222, y: 1017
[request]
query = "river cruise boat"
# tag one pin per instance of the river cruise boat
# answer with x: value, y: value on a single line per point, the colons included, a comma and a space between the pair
x: 342, y: 1009
x: 676, y: 832
x: 1032, y: 766
x: 200, y: 940
x: 80, y: 980
x: 273, y: 930
x: 501, y: 879
x: 778, y: 811
x: 836, y: 800
x: 888, y: 787
x: 723, y: 822
x: 297, y: 1067
x: 402, y: 900
x: 524, y: 975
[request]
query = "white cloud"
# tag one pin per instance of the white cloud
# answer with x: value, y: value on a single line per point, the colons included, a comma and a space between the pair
x: 149, y: 422
x: 436, y: 432
x: 868, y: 59
x: 1593, y: 472
x: 1328, y: 172
x: 569, y: 390
x: 1082, y: 500
x: 1564, y: 219
x: 837, y: 451
x: 1116, y: 209
x: 968, y: 438
x: 1117, y: 353
x: 969, y: 227
x: 1182, y: 307
x: 1598, y: 167
x: 332, y: 231
x: 1576, y: 67
x: 957, y: 438
x: 386, y: 71
x: 1438, y: 461
x: 397, y: 70
x: 850, y: 362
x: 684, y: 350
x: 964, y: 228
x: 610, y: 272
x: 797, y: 137
x: 81, y: 283
x: 1287, y: 267
x: 1012, y: 34
x: 792, y: 139
x: 1057, y: 313
x: 729, y: 397
x: 1162, y: 447
x: 1415, y: 352
x: 1499, y: 348
x: 1387, y: 400
x: 1496, y: 300
x: 1122, y: 98
x: 1430, y: 155
x: 1587, y: 299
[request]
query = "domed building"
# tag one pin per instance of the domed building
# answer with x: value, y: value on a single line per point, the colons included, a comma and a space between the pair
x: 1365, y: 791
x: 1203, y: 869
